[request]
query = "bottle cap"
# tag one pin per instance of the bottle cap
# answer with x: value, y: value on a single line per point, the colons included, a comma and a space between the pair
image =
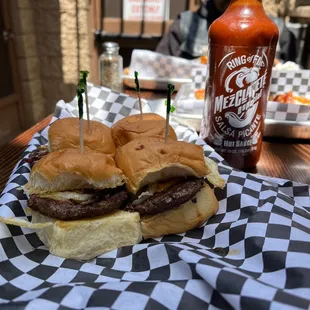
x: 110, y: 47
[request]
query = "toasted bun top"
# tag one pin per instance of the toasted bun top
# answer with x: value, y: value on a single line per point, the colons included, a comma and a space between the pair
x: 132, y: 127
x: 149, y: 160
x: 69, y: 170
x: 65, y: 134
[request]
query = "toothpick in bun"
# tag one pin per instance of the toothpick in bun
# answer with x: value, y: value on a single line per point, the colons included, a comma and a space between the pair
x: 64, y: 134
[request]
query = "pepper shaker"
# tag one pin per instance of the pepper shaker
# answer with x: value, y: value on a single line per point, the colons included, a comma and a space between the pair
x: 111, y: 67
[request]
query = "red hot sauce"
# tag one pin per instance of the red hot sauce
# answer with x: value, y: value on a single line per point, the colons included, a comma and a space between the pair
x: 242, y: 46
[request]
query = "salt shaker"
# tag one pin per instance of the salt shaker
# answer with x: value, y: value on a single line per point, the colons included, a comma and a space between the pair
x: 111, y: 67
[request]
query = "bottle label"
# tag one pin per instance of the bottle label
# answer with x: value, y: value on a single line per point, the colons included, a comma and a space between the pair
x: 237, y: 91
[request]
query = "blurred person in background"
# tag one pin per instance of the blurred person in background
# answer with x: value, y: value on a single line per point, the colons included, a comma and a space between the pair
x: 188, y: 35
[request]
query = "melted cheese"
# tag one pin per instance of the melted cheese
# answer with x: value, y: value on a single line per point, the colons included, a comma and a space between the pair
x: 155, y: 188
x: 161, y: 186
x: 67, y: 195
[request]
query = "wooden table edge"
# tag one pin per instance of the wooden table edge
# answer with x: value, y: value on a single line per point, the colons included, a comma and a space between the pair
x: 10, y: 153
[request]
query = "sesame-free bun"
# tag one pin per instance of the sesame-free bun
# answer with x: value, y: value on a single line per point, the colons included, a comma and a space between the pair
x: 64, y: 134
x: 149, y: 160
x: 183, y: 218
x: 88, y: 238
x: 132, y: 127
x: 70, y: 170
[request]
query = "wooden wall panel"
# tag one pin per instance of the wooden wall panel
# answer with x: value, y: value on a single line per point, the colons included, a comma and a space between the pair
x: 10, y: 124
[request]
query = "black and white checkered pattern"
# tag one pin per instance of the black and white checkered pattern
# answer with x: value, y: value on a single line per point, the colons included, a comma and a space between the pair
x: 253, y: 254
x: 155, y: 65
x: 287, y: 112
x: 199, y: 76
x: 105, y: 105
x: 283, y: 81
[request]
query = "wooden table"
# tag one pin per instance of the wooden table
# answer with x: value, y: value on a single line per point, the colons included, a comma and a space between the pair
x: 280, y: 158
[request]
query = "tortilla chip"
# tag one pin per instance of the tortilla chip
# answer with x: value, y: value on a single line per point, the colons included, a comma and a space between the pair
x: 214, y: 177
x: 23, y: 223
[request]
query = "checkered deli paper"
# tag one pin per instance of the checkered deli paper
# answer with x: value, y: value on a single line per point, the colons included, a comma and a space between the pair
x: 253, y: 254
x: 155, y: 65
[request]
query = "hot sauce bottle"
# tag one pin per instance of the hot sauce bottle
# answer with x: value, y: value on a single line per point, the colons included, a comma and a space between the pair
x: 242, y: 46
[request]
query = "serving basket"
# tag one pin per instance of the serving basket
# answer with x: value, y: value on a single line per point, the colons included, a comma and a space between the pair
x: 254, y: 253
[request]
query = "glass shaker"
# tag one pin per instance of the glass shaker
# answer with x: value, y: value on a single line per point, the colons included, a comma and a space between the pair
x: 111, y: 67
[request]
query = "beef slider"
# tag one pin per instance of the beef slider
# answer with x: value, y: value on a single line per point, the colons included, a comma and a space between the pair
x: 133, y: 127
x: 64, y: 134
x: 58, y: 180
x: 75, y: 199
x: 152, y: 164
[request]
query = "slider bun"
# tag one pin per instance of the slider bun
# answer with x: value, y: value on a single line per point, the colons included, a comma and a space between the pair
x: 132, y: 127
x: 149, y: 160
x: 86, y: 239
x: 65, y: 134
x: 183, y: 218
x: 69, y: 170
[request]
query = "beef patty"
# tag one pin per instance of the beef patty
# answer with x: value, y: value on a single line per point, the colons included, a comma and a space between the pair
x: 170, y: 198
x: 102, y: 202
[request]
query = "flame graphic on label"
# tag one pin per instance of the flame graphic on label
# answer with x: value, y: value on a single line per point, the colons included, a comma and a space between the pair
x: 256, y: 137
x: 248, y: 75
x: 241, y: 121
x: 218, y: 138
